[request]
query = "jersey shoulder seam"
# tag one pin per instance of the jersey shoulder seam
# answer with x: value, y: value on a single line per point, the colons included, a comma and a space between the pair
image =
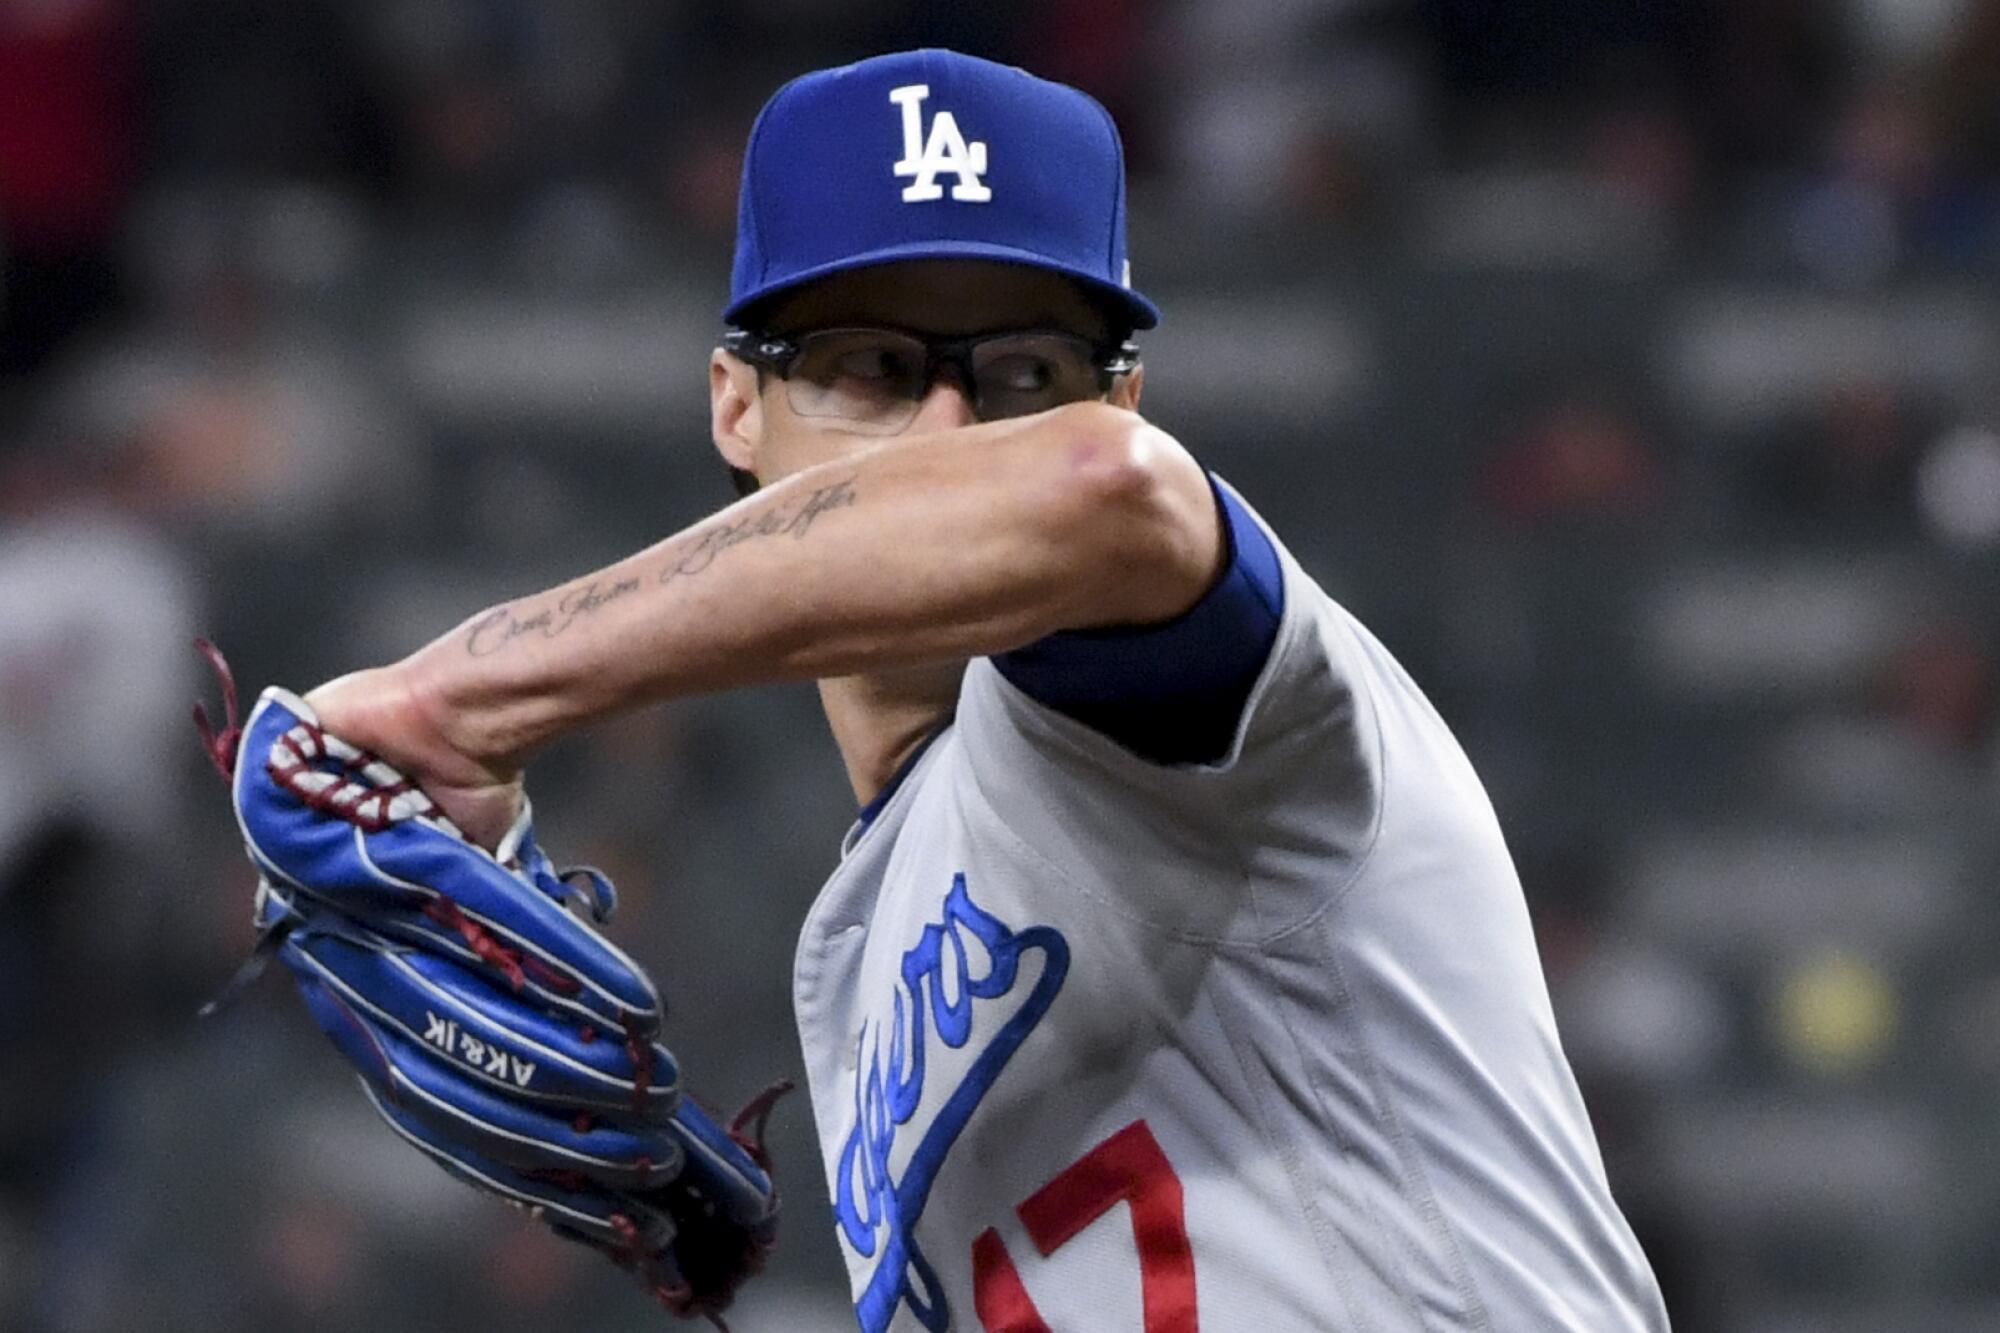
x: 1363, y: 692
x: 1326, y: 1238
x: 1359, y: 689
x: 1409, y: 1157
x: 1116, y: 907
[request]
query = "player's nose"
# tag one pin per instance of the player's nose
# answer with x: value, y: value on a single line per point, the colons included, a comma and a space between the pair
x: 946, y: 405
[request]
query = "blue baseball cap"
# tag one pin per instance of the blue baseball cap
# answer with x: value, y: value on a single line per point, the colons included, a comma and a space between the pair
x: 931, y: 155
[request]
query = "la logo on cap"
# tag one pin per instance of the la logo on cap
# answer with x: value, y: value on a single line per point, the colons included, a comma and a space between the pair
x: 945, y: 150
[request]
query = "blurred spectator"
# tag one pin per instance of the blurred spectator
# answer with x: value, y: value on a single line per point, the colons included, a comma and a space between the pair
x: 1767, y: 75
x: 1545, y: 57
x: 1576, y: 460
x: 1965, y: 90
x: 93, y: 679
x: 1904, y: 745
x: 1854, y: 460
x: 1647, y: 156
x: 1858, y: 221
x: 1289, y: 109
x: 1102, y: 47
x: 93, y: 684
x: 67, y: 161
x: 1941, y: 686
x: 233, y: 418
x: 1958, y: 488
x: 249, y: 89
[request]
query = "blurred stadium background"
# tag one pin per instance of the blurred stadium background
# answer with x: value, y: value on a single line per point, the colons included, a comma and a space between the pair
x: 1629, y: 365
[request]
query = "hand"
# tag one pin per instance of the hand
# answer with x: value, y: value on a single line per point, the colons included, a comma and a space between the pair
x: 381, y: 711
x: 539, y: 1076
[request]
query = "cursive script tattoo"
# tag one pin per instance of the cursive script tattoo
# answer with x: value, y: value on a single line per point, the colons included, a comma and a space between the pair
x: 501, y: 626
x: 793, y: 519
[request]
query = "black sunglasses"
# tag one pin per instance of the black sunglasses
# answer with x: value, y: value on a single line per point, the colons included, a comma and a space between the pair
x: 873, y: 378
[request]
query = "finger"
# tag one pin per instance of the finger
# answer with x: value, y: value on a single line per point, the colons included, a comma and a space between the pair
x: 329, y: 775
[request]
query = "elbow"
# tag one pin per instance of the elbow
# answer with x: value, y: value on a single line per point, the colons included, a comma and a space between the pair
x: 1134, y: 520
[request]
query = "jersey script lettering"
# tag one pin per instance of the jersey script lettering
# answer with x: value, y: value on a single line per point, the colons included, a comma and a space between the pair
x: 878, y: 1212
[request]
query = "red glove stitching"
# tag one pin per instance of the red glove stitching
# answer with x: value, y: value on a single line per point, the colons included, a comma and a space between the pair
x: 747, y: 1126
x: 446, y: 913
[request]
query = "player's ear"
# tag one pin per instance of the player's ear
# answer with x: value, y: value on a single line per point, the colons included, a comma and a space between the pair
x: 735, y: 411
x: 1126, y: 388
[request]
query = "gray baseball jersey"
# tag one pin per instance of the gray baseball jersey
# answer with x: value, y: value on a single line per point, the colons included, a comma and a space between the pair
x: 1285, y: 1008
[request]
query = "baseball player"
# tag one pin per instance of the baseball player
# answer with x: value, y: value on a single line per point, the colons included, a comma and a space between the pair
x: 1175, y: 974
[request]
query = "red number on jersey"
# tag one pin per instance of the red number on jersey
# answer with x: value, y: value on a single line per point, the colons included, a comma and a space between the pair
x: 1128, y: 1166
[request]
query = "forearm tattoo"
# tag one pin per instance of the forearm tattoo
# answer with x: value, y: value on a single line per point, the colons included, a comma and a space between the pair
x: 688, y: 559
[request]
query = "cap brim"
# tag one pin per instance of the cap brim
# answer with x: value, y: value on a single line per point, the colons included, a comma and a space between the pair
x: 1143, y: 313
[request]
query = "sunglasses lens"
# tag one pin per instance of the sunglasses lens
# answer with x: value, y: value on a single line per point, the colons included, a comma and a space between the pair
x: 870, y: 379
x: 1018, y: 374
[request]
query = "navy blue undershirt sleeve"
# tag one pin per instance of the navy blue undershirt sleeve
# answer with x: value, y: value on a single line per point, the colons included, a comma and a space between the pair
x: 1173, y: 692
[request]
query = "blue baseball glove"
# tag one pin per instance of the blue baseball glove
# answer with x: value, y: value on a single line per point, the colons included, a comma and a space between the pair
x: 494, y: 1027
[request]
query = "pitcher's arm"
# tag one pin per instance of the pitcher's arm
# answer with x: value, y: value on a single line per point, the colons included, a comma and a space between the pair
x: 930, y: 548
